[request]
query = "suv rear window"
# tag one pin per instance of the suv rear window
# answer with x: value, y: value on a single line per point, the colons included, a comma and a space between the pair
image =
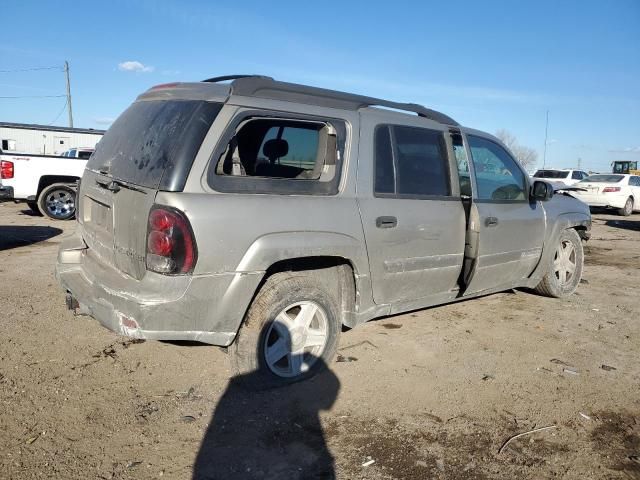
x: 603, y: 179
x: 153, y: 143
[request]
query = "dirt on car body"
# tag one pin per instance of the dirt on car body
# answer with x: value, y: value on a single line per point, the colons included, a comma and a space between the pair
x: 436, y: 398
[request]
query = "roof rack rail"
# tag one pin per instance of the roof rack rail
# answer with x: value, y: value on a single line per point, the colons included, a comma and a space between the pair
x: 225, y: 78
x: 266, y: 87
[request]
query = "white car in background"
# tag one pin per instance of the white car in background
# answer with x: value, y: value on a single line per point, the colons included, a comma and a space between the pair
x: 563, y: 178
x: 611, y: 190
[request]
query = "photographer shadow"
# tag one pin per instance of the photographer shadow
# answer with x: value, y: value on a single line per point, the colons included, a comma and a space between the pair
x: 269, y: 434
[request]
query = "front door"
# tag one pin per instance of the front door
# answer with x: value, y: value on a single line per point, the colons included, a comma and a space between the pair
x: 510, y: 227
x: 414, y: 225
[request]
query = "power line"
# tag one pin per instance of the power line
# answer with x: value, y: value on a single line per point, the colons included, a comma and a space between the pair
x: 33, y: 69
x: 36, y: 96
x: 63, y: 108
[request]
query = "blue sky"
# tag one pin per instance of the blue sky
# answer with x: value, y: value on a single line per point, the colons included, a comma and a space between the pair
x: 488, y: 64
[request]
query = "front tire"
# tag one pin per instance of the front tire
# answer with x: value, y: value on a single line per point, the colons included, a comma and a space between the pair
x: 290, y: 333
x: 58, y: 201
x: 627, y: 209
x: 565, y: 271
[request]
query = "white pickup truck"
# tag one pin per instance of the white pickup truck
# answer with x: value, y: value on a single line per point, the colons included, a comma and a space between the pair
x: 46, y: 183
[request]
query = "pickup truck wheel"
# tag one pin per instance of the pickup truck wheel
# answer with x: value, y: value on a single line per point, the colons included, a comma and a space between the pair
x: 58, y: 201
x: 565, y: 271
x: 290, y: 332
x: 627, y: 209
x: 33, y: 206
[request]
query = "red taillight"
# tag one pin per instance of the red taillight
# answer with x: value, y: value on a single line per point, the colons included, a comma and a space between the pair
x: 160, y: 220
x: 6, y: 169
x: 159, y: 243
x: 171, y: 248
x: 610, y: 189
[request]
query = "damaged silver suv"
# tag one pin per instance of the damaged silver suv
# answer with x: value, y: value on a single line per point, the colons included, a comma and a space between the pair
x: 264, y: 216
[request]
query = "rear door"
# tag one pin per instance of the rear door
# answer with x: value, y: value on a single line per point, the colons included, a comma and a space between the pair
x: 510, y: 227
x: 150, y: 147
x: 413, y: 220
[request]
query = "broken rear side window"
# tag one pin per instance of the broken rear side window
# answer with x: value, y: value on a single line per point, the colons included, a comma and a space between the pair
x: 153, y: 143
x: 279, y: 155
x: 286, y: 149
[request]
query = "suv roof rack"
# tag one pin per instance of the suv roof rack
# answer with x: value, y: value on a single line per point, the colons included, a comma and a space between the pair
x: 266, y: 87
x: 225, y: 78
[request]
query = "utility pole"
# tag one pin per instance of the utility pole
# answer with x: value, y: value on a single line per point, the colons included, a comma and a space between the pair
x: 69, y: 109
x: 579, y: 163
x: 546, y: 131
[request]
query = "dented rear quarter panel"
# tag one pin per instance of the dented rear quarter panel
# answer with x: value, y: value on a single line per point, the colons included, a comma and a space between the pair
x: 243, y: 234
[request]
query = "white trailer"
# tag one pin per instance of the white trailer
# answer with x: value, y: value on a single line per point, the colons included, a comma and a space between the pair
x: 45, y: 139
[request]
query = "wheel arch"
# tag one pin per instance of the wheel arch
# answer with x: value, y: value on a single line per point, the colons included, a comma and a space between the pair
x: 47, y: 180
x: 343, y: 268
x: 329, y: 269
x: 580, y: 222
x: 315, y: 251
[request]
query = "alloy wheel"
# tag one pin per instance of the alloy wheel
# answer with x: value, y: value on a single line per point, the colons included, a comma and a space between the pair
x: 564, y: 263
x: 296, y: 339
x: 60, y: 203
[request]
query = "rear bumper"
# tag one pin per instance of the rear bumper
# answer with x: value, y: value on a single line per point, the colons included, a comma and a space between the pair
x: 206, y: 308
x: 615, y: 201
x: 6, y: 193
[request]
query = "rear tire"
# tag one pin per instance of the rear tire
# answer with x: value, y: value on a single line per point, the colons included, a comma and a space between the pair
x: 33, y: 206
x: 290, y: 332
x: 627, y: 209
x: 565, y: 269
x: 58, y: 201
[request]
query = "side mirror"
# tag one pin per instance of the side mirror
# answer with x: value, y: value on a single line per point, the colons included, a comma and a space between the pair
x: 542, y: 191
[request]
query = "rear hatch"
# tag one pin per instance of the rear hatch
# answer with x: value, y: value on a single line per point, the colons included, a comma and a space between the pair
x: 150, y: 147
x: 591, y: 188
x: 596, y: 184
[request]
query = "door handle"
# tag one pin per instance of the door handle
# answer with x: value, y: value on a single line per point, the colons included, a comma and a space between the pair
x: 111, y: 186
x: 490, y: 222
x: 386, y: 222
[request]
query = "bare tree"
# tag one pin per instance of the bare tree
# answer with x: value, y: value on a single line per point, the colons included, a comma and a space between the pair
x: 525, y: 155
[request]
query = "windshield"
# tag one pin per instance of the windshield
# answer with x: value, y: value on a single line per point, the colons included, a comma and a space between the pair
x: 152, y: 138
x: 551, y: 174
x: 84, y: 154
x: 603, y: 179
x: 624, y: 167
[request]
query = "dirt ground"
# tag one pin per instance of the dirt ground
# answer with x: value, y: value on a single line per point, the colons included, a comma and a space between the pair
x: 430, y: 394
